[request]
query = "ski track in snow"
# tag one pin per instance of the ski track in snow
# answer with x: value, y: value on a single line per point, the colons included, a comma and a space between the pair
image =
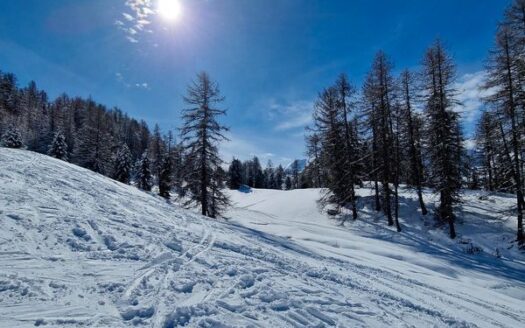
x: 78, y: 249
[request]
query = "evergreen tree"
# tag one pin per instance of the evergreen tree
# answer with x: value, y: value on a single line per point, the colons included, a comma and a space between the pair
x: 58, y: 148
x: 12, y: 138
x: 269, y: 176
x: 165, y: 176
x: 444, y: 134
x: 279, y: 177
x: 328, y: 125
x: 123, y: 165
x: 295, y: 174
x: 201, y: 134
x: 288, y: 184
x: 488, y: 147
x: 379, y: 94
x: 144, y: 177
x: 346, y: 92
x: 504, y: 76
x: 256, y: 170
x: 235, y: 174
x: 313, y: 150
x: 412, y: 138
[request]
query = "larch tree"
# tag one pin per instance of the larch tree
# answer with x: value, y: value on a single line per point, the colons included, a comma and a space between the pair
x: 379, y: 93
x: 503, y: 77
x: 201, y: 134
x: 412, y: 137
x: 346, y: 103
x: 443, y: 130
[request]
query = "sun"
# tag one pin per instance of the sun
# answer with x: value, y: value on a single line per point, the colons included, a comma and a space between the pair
x: 170, y: 10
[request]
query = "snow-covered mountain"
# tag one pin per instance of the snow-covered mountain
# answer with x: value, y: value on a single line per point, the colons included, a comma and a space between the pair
x: 78, y: 249
x: 301, y: 165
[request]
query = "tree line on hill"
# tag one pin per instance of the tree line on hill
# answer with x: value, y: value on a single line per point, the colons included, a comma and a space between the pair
x: 111, y: 143
x: 406, y: 129
x: 251, y: 174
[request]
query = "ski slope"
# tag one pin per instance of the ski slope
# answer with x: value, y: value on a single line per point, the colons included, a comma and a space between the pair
x: 80, y: 250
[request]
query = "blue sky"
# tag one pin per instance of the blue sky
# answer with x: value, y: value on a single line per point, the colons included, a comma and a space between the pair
x: 270, y: 57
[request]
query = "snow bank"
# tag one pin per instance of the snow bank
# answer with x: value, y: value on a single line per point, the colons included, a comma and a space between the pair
x: 78, y: 249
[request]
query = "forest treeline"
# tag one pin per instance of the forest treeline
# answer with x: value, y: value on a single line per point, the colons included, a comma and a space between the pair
x: 109, y: 142
x: 405, y: 129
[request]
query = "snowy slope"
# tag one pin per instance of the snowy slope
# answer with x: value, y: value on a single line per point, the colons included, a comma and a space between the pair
x: 78, y: 249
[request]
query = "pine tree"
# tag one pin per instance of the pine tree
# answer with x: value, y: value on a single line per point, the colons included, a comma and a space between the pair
x: 503, y: 75
x: 487, y: 146
x: 123, y: 165
x: 235, y: 174
x: 201, y: 133
x: 313, y: 150
x: 279, y: 177
x: 256, y: 170
x: 165, y: 176
x: 288, y: 184
x: 327, y: 120
x: 346, y: 92
x: 269, y: 176
x: 144, y: 177
x: 58, y: 148
x: 12, y: 138
x: 412, y: 138
x: 444, y: 134
x: 157, y: 149
x: 295, y: 174
x: 379, y: 93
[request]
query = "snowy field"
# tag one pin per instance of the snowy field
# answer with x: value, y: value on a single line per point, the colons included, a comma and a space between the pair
x: 78, y: 249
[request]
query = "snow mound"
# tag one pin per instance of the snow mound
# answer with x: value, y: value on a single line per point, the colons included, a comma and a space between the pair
x: 80, y: 250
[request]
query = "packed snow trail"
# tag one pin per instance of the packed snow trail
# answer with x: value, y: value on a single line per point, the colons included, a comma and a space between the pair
x: 78, y: 249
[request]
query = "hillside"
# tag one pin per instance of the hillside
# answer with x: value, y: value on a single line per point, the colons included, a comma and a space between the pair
x: 79, y: 249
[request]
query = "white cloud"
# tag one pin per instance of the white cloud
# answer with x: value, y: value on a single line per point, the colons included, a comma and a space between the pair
x: 140, y: 85
x: 470, y: 95
x: 290, y: 115
x: 136, y: 20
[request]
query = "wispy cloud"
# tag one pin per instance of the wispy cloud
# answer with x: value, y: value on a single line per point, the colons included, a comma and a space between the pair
x: 290, y: 115
x: 136, y: 21
x: 139, y: 85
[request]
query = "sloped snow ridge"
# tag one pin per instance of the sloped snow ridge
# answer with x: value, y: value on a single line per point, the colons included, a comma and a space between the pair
x: 80, y: 250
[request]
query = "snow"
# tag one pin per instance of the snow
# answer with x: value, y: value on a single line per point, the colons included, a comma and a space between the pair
x: 80, y: 250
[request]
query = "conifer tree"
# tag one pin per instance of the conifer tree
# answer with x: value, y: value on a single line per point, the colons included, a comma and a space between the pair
x: 269, y: 176
x: 279, y: 177
x: 345, y: 94
x: 58, y: 148
x: 379, y: 93
x: 235, y: 174
x: 165, y: 176
x: 444, y: 134
x: 295, y: 174
x: 412, y: 137
x: 503, y: 75
x: 288, y: 184
x: 144, y: 177
x: 201, y: 133
x: 123, y: 165
x: 12, y: 138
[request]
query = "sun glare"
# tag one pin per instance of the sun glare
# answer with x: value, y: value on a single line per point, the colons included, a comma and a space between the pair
x: 170, y: 10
